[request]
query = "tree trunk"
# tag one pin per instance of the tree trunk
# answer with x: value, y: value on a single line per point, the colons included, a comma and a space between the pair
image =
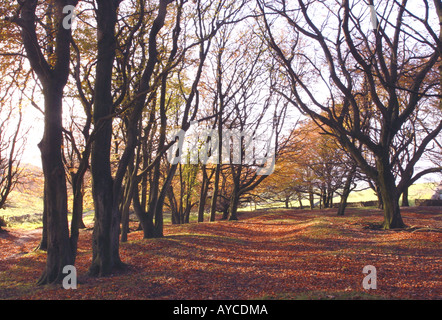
x: 59, y: 252
x: 311, y: 199
x: 105, y: 242
x: 343, y: 203
x: 324, y: 198
x: 130, y: 187
x: 405, y: 202
x: 187, y: 214
x: 203, y: 195
x: 330, y: 199
x: 389, y: 195
x: 159, y: 222
x: 225, y: 215
x: 215, y: 193
x: 43, y: 245
x: 300, y: 200
x: 53, y: 77
x: 77, y: 212
x: 346, y: 190
x: 380, y: 200
x: 234, y: 201
x: 146, y: 224
x: 173, y: 206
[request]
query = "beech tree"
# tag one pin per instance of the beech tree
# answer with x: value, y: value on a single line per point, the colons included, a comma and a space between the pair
x: 343, y: 45
x: 49, y: 56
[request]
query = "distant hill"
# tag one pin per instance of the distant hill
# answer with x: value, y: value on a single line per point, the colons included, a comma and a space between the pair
x: 24, y: 205
x: 31, y: 181
x: 416, y: 191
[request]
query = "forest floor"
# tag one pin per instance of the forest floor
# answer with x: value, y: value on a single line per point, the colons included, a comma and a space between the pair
x: 273, y: 254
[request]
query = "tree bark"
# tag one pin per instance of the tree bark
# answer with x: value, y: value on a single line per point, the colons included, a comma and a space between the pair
x: 159, y: 222
x: 389, y: 195
x: 300, y: 200
x: 43, y: 245
x: 405, y: 202
x: 346, y: 190
x: 77, y: 212
x: 203, y: 194
x: 311, y: 199
x: 129, y: 191
x: 215, y: 193
x: 146, y: 223
x: 234, y: 201
x: 53, y: 78
x: 59, y: 252
x: 105, y: 244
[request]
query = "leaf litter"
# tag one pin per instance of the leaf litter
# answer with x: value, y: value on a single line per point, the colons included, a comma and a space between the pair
x: 277, y: 254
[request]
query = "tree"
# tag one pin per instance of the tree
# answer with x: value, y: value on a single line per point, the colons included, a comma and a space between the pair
x: 310, y: 163
x: 381, y: 59
x: 240, y: 88
x: 14, y: 85
x: 205, y: 19
x: 52, y: 71
x: 76, y: 161
x: 11, y: 150
x: 77, y: 127
x: 105, y: 238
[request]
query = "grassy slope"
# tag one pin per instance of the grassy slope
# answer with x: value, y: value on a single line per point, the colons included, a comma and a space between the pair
x: 416, y: 191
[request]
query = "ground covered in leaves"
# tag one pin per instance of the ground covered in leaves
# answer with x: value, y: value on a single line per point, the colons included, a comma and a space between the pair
x: 277, y: 254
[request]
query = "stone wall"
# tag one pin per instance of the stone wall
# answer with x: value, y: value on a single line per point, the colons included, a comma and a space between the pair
x: 428, y: 203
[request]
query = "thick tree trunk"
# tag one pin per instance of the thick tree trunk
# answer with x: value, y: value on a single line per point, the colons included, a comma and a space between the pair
x: 405, y: 202
x: 159, y: 222
x: 346, y: 190
x: 77, y: 212
x: 389, y: 195
x: 59, y: 253
x: 173, y: 206
x: 146, y: 224
x: 105, y: 244
x: 311, y: 199
x: 343, y: 202
x: 234, y: 201
x: 53, y: 78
